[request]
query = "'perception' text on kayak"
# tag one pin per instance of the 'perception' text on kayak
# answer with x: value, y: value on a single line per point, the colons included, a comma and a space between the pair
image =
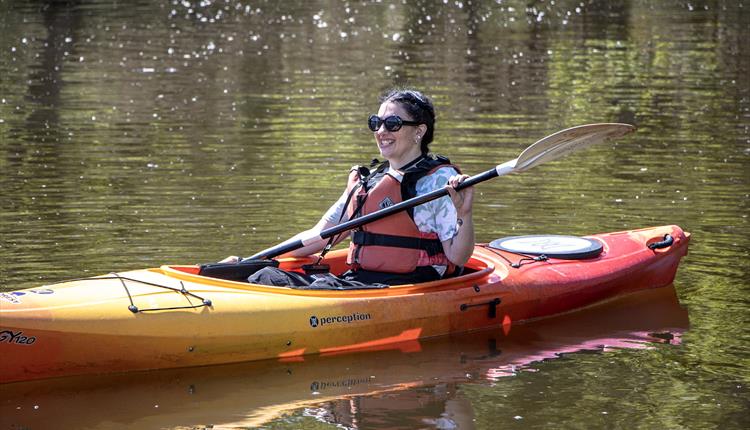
x: 347, y: 319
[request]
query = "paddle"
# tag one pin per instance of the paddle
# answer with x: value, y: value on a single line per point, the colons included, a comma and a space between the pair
x: 550, y: 148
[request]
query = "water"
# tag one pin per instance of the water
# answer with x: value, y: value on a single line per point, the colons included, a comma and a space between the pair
x: 142, y: 133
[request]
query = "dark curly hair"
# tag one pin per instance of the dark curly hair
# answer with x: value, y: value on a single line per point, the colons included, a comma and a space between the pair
x: 419, y: 107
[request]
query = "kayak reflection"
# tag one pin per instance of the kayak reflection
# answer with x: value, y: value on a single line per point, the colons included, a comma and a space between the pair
x: 341, y: 387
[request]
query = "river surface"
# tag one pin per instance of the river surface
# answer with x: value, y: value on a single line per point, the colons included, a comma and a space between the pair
x: 135, y: 134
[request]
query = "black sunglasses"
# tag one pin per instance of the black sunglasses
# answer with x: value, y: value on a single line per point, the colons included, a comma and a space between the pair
x: 392, y: 123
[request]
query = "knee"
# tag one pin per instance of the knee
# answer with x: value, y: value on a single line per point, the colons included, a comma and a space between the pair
x: 268, y: 276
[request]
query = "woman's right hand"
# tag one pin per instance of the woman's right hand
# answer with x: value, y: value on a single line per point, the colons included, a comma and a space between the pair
x: 462, y: 200
x: 231, y: 259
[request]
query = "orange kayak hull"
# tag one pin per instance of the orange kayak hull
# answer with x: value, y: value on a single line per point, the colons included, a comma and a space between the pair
x: 170, y: 316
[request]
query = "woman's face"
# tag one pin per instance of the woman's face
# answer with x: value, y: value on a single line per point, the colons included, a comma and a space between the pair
x: 401, y: 146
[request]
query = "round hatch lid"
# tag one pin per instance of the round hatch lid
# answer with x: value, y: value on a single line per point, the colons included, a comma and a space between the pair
x: 551, y: 245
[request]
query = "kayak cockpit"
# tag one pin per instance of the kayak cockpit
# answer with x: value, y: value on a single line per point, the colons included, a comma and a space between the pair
x: 478, y: 267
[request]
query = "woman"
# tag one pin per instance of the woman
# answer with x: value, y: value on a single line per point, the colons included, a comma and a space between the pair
x: 424, y: 244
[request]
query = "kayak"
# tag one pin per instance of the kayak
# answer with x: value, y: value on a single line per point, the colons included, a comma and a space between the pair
x: 251, y: 394
x: 175, y: 316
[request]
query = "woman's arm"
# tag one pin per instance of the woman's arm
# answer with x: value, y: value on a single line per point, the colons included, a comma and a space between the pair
x: 306, y: 250
x: 331, y: 218
x: 459, y: 248
x: 317, y: 245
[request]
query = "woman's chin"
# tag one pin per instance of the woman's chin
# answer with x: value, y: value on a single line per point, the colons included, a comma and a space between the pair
x: 385, y: 152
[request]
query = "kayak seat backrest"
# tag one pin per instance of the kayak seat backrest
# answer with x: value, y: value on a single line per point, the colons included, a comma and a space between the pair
x: 235, y: 271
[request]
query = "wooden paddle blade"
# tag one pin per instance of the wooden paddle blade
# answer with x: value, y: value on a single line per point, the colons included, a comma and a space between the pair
x: 569, y: 140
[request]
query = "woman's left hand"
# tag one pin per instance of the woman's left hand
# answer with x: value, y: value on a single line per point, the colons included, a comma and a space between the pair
x: 463, y: 200
x: 458, y: 249
x: 231, y: 259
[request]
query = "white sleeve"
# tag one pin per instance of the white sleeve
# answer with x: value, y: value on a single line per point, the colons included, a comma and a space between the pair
x: 438, y: 216
x: 333, y: 214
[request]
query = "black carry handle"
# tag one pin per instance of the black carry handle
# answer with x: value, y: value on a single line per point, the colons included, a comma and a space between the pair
x: 668, y: 241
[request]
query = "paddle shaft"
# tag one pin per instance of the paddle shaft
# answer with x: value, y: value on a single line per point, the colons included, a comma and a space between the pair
x: 547, y: 149
x: 360, y: 221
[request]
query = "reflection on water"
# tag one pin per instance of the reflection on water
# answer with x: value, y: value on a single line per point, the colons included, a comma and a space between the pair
x: 424, y: 380
x: 134, y: 134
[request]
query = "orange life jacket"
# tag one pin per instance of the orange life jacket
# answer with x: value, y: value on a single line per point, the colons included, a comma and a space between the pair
x: 393, y: 244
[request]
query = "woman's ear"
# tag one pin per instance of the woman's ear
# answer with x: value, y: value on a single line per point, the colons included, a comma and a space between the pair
x: 421, y: 130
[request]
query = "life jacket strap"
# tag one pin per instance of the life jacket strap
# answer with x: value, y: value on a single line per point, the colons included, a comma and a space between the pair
x: 430, y: 246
